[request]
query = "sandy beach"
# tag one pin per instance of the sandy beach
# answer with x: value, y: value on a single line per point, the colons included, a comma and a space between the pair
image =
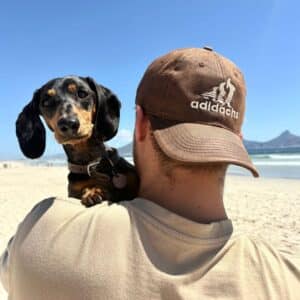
x: 268, y: 208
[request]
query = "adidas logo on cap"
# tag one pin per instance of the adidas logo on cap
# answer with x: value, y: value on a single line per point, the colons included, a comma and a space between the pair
x: 218, y: 100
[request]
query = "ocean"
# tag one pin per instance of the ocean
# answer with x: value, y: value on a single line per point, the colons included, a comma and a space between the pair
x: 274, y: 165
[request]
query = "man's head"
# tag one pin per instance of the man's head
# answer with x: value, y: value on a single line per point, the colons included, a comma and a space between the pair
x: 194, y: 101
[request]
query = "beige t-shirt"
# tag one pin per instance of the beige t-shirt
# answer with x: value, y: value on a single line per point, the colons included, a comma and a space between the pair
x: 138, y: 250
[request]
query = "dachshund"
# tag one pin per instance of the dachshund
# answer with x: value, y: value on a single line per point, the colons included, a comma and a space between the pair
x: 83, y: 115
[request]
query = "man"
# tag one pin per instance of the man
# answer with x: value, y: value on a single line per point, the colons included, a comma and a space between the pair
x: 174, y: 241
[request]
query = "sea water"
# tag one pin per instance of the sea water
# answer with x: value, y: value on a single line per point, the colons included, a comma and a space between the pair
x: 276, y: 165
x: 269, y: 165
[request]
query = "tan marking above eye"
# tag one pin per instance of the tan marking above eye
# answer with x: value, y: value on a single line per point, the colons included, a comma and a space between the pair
x: 51, y: 92
x: 72, y: 88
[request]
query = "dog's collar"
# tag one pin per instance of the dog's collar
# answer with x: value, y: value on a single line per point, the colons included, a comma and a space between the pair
x: 110, y: 157
x: 83, y: 169
x: 104, y: 167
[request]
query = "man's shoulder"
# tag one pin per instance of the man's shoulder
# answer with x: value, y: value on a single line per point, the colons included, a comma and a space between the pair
x: 255, y: 245
x: 261, y: 255
x: 73, y: 204
x: 56, y: 211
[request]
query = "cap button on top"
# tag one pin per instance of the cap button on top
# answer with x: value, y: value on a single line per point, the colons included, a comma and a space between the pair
x: 208, y: 48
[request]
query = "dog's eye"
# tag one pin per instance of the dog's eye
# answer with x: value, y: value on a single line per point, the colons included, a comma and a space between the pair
x: 82, y: 94
x: 48, y: 102
x: 86, y: 104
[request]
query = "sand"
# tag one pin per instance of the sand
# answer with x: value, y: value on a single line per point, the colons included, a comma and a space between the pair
x: 267, y: 208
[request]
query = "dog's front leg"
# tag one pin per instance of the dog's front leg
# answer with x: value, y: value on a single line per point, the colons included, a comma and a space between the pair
x: 89, y: 190
x: 91, y: 196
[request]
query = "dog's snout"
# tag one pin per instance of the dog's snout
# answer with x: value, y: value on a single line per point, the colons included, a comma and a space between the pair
x: 68, y: 125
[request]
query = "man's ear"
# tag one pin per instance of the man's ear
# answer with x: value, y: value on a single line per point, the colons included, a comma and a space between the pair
x: 107, y: 110
x: 142, y: 124
x: 30, y: 130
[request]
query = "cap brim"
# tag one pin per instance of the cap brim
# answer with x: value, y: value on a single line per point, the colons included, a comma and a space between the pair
x: 199, y: 143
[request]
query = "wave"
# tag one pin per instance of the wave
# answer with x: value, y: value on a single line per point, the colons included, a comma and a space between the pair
x: 277, y: 156
x: 277, y: 163
x: 285, y: 156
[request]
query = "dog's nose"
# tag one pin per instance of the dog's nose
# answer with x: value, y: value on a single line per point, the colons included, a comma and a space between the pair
x: 68, y: 125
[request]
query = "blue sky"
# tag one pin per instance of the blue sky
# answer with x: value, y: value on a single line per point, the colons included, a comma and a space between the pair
x: 114, y: 41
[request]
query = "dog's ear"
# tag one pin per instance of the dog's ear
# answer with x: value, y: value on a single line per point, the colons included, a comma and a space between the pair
x: 107, y: 110
x: 30, y: 129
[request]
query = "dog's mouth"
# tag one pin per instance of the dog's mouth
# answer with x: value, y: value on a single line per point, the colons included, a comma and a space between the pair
x: 74, y: 139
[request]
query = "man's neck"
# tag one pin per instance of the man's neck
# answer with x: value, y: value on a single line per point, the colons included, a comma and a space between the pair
x: 198, y: 197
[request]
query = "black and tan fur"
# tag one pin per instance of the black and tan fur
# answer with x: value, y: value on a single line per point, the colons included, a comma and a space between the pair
x: 83, y: 115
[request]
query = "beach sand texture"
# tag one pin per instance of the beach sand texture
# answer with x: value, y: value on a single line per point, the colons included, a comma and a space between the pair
x: 267, y: 208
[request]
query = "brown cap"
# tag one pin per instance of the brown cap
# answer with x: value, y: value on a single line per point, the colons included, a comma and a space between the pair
x: 195, y: 99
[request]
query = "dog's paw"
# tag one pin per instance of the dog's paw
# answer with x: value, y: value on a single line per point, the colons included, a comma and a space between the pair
x: 91, y: 196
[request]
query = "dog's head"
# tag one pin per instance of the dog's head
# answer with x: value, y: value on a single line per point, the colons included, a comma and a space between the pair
x: 74, y: 108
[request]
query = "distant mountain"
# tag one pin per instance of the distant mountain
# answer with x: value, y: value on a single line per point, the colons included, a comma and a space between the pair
x: 123, y: 151
x: 59, y: 156
x: 285, y: 142
x: 126, y: 150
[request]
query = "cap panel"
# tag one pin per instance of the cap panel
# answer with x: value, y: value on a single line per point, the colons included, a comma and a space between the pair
x: 192, y: 85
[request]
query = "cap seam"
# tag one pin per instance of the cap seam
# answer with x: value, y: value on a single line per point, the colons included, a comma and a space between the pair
x: 219, y: 64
